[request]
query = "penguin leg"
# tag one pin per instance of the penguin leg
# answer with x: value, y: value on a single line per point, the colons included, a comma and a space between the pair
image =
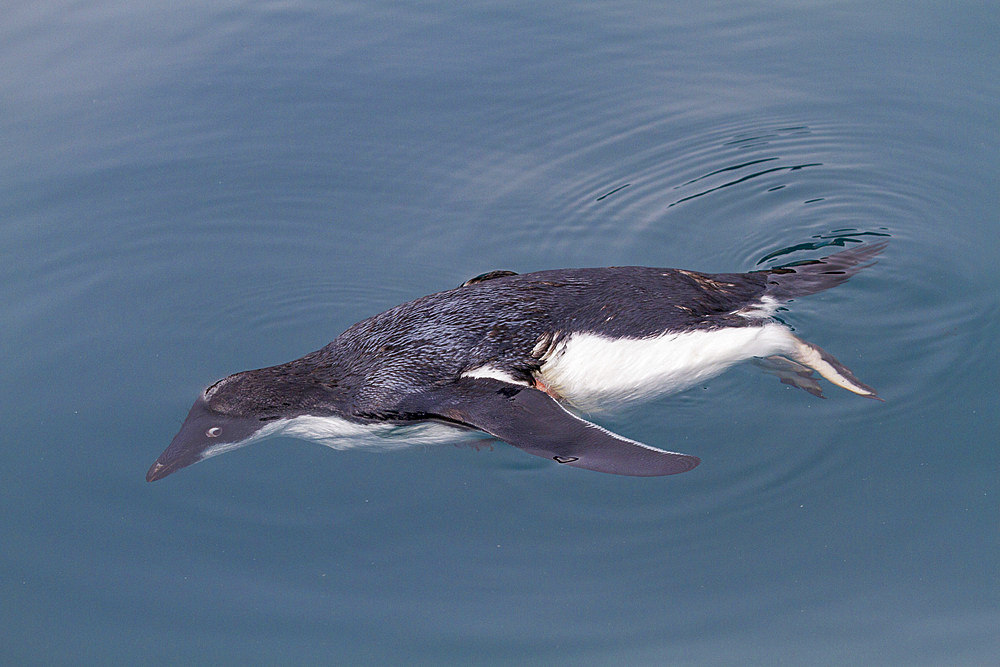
x: 533, y: 421
x: 813, y: 356
x: 791, y: 373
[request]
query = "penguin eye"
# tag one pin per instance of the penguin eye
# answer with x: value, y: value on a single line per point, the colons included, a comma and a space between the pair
x: 213, y: 432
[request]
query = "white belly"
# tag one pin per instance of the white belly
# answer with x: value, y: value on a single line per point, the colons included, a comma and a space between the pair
x: 592, y: 372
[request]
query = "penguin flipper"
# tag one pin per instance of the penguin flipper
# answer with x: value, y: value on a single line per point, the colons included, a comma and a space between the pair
x: 490, y: 275
x: 533, y: 421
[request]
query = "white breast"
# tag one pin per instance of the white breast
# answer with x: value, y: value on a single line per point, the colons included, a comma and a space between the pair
x: 591, y: 371
x: 339, y: 433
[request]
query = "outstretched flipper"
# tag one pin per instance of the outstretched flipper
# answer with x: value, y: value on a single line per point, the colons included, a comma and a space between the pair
x: 824, y: 363
x: 533, y: 421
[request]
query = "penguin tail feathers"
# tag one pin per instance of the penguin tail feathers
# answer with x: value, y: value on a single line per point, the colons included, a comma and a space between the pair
x: 815, y: 275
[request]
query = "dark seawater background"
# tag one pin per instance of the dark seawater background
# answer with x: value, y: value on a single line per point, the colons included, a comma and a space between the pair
x: 189, y: 189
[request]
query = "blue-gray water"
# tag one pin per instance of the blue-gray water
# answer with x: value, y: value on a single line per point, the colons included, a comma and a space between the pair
x: 194, y: 188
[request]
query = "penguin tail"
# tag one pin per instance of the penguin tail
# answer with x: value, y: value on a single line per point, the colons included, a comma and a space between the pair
x: 815, y: 275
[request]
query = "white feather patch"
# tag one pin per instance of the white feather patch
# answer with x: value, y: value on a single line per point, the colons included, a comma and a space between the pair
x: 493, y: 373
x: 342, y: 434
x: 268, y: 429
x: 591, y: 371
x: 766, y: 307
x: 338, y: 433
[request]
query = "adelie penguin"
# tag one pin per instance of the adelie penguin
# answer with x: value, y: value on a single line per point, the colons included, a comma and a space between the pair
x: 518, y: 356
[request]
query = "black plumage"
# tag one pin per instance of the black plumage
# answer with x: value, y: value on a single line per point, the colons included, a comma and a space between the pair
x: 382, y: 368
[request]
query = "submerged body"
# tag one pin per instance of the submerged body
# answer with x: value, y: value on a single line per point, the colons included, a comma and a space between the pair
x: 504, y: 353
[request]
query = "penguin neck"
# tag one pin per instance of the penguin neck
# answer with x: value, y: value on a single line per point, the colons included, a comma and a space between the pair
x: 300, y: 387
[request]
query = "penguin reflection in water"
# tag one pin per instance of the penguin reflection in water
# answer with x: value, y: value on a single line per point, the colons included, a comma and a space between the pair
x: 511, y: 355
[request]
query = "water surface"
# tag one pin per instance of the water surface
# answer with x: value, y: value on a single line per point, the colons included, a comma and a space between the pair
x: 193, y: 189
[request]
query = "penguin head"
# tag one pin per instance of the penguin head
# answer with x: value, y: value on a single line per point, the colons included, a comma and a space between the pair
x: 226, y: 416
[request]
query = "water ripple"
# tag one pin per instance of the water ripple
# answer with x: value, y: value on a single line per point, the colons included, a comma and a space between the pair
x: 725, y: 194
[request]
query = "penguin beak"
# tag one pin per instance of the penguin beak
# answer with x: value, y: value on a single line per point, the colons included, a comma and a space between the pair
x: 160, y: 470
x: 203, y: 434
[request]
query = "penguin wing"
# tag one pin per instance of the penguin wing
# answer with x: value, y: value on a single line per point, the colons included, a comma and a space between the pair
x: 533, y: 421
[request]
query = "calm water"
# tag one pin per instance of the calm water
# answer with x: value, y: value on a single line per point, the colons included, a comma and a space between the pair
x: 194, y: 188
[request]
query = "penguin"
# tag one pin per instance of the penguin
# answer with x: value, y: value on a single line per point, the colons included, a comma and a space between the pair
x: 520, y: 357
